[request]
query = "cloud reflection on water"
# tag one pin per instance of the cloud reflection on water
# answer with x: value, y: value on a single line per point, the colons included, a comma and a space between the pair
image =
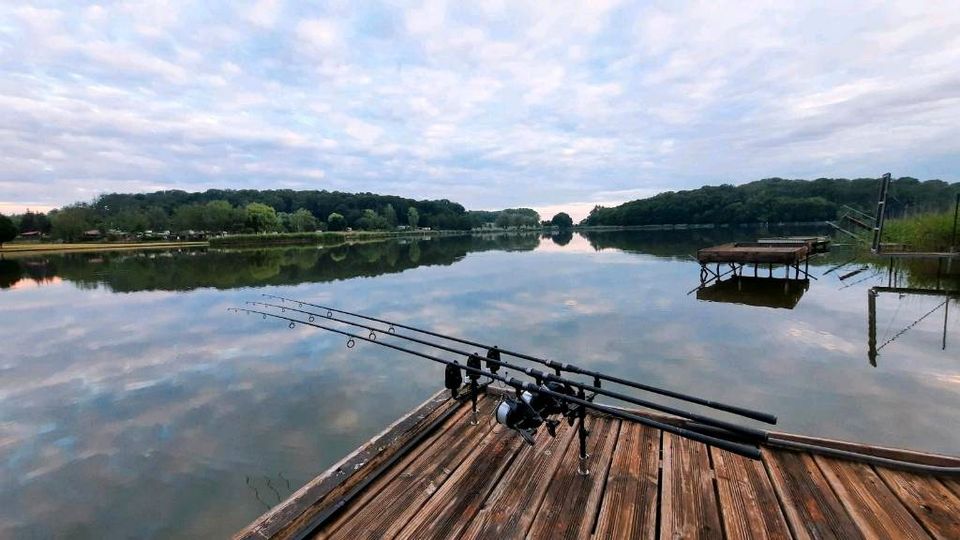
x: 160, y: 409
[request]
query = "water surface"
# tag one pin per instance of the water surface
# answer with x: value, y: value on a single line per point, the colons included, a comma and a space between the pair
x: 132, y: 404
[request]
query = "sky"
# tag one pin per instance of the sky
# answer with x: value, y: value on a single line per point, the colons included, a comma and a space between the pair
x: 554, y: 105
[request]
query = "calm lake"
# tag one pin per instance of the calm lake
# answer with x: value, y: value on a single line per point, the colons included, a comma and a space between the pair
x: 133, y: 404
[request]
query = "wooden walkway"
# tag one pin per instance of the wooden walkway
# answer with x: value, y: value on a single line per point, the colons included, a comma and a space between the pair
x: 754, y: 252
x: 482, y: 481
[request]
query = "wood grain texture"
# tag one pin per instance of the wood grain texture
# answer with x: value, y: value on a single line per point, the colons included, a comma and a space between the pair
x: 459, y: 499
x: 513, y: 504
x: 811, y: 507
x: 911, y: 456
x: 483, y: 482
x: 874, y: 508
x: 629, y: 506
x: 572, y: 500
x: 688, y: 503
x: 748, y: 503
x: 387, y: 506
x: 953, y: 484
x: 929, y: 501
x: 750, y: 253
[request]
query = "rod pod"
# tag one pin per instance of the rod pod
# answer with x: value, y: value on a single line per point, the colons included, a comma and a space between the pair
x: 558, y: 366
x: 717, y: 440
x: 540, y: 377
x: 583, y: 463
x: 474, y: 362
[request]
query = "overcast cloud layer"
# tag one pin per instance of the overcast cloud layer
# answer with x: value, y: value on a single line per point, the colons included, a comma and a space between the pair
x: 493, y: 105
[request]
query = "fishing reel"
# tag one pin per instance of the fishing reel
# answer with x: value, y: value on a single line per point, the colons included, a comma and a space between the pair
x: 530, y: 410
x: 518, y: 415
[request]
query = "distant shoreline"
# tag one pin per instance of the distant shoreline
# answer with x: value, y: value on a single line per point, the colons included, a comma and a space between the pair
x: 326, y: 239
x: 330, y: 238
x: 39, y: 248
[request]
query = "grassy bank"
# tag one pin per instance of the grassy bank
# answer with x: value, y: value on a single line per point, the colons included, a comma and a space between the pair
x: 923, y: 232
x: 286, y: 239
x: 317, y: 238
x: 37, y: 248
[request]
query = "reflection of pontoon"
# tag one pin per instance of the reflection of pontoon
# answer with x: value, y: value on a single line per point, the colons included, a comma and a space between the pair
x: 872, y: 348
x: 751, y: 291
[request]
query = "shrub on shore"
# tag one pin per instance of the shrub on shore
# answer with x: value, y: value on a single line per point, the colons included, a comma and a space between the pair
x: 922, y: 232
x: 255, y: 240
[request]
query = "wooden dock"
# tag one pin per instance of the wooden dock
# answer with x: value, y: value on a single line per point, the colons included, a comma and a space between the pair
x: 754, y: 252
x: 434, y: 475
x: 816, y: 244
x: 790, y: 251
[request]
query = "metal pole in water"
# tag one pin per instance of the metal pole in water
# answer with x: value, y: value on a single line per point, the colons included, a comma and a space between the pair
x: 946, y: 311
x: 872, y: 327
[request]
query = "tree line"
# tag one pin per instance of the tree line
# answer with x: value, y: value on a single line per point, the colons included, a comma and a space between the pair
x: 227, y: 269
x: 775, y: 200
x: 256, y: 211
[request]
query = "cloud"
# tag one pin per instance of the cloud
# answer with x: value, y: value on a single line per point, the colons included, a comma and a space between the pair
x: 264, y: 13
x: 494, y: 105
x: 318, y: 35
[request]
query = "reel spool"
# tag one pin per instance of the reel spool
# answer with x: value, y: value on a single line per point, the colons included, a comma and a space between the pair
x: 532, y: 410
x: 517, y: 415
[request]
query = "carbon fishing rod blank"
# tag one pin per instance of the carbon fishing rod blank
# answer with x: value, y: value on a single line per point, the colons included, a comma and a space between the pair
x: 540, y: 377
x: 523, y: 417
x: 557, y: 366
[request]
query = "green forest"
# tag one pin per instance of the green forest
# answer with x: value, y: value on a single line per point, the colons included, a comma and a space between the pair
x: 776, y: 200
x: 260, y: 211
x: 227, y: 269
x: 215, y: 211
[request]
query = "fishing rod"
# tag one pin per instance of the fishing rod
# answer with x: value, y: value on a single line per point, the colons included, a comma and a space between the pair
x: 539, y: 376
x: 494, y: 351
x: 530, y: 410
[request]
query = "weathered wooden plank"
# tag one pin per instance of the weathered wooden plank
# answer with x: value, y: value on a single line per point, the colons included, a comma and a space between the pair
x: 418, y: 464
x: 874, y: 508
x: 572, y: 500
x: 286, y: 518
x: 748, y: 503
x: 391, y: 504
x: 930, y: 502
x: 629, y: 506
x: 870, y: 450
x: 484, y: 483
x: 811, y: 507
x: 457, y: 501
x: 688, y: 504
x: 953, y: 484
x: 511, y: 507
x: 749, y: 253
